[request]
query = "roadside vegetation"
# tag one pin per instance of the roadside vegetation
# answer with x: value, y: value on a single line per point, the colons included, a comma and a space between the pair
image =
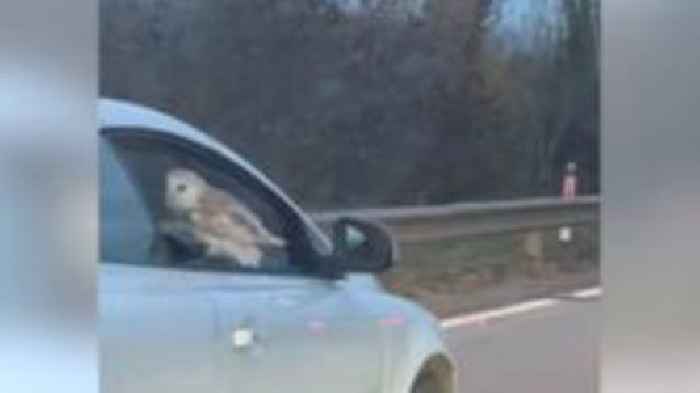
x: 462, y: 275
x: 408, y: 102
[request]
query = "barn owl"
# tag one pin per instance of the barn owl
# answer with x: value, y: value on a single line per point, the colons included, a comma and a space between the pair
x: 219, y: 221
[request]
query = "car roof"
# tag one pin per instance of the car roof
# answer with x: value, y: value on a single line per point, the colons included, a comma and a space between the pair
x: 123, y: 115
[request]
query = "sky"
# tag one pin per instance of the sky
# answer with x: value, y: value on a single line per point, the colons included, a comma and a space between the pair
x: 519, y: 19
x: 516, y: 12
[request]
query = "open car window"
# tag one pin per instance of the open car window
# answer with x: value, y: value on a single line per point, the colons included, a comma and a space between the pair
x: 168, y: 203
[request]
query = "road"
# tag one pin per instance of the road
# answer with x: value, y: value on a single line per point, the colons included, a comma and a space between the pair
x: 551, y: 350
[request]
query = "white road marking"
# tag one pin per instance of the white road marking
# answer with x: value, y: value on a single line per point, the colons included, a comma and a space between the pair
x: 587, y: 293
x: 482, y: 317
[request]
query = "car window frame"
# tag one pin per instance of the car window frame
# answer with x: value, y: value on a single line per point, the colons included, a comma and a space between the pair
x: 212, y: 158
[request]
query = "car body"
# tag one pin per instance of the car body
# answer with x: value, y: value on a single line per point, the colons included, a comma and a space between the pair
x: 195, y: 329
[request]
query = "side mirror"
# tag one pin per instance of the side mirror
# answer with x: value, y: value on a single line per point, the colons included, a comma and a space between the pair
x: 362, y: 246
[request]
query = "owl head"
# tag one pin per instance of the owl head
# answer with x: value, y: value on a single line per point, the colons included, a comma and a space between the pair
x: 183, y: 189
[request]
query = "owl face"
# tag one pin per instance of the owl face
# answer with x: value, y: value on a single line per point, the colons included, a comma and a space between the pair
x: 183, y: 189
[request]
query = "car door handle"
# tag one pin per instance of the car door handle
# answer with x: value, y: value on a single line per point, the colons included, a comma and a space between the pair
x: 242, y: 338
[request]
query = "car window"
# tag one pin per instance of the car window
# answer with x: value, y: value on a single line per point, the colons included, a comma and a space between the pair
x: 166, y: 202
x: 125, y: 227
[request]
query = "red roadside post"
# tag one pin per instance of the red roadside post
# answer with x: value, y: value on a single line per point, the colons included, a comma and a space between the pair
x: 533, y: 241
x: 569, y: 182
x: 568, y: 193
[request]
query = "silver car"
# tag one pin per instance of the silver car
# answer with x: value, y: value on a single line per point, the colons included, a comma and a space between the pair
x: 181, y: 313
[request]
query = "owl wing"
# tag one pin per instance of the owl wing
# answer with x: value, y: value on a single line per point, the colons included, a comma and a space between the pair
x: 213, y: 218
x: 239, y: 215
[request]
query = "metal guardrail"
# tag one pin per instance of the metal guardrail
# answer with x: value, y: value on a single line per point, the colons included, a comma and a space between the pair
x: 427, y: 223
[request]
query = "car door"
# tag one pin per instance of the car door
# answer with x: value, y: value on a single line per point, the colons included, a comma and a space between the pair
x: 311, y: 335
x: 277, y: 326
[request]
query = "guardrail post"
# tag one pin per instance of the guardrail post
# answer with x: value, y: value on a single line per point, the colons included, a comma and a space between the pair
x: 533, y: 246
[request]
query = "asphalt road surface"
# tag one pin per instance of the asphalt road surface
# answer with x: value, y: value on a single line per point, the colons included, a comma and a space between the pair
x: 552, y: 350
